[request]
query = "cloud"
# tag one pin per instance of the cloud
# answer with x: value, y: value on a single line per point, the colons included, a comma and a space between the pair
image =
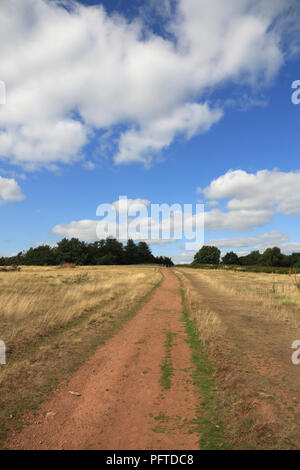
x: 189, y: 120
x: 72, y: 71
x: 269, y: 189
x: 183, y: 258
x: 85, y: 230
x: 253, y: 199
x: 239, y: 220
x: 213, y: 203
x: 88, y: 230
x: 38, y: 142
x: 132, y: 218
x: 273, y: 238
x: 291, y: 247
x: 131, y: 206
x: 88, y: 165
x: 10, y: 190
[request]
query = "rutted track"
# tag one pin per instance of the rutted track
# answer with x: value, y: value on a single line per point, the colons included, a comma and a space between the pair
x: 122, y: 402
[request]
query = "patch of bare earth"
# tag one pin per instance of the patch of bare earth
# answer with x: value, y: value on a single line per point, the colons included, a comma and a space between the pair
x: 259, y: 387
x: 119, y: 401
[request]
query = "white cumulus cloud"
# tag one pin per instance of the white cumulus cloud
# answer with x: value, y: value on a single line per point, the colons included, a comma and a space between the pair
x: 253, y: 199
x: 72, y: 71
x: 273, y: 238
x: 85, y: 230
x: 10, y: 190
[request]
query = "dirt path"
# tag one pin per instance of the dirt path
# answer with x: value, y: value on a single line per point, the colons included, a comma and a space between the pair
x: 122, y: 403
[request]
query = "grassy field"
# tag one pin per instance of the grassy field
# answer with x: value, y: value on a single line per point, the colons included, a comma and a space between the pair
x: 247, y: 323
x: 52, y: 318
x: 246, y: 269
x: 240, y: 325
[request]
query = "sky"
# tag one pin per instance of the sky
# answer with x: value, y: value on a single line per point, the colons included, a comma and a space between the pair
x: 161, y: 101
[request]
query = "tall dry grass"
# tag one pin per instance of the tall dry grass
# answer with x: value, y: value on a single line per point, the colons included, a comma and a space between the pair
x: 51, y: 318
x: 237, y: 315
x: 208, y: 321
x: 37, y: 300
x: 278, y: 295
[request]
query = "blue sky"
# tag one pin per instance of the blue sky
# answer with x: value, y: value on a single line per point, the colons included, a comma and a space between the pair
x: 142, y: 105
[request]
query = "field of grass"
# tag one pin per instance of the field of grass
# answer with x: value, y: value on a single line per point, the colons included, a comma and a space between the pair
x: 247, y: 323
x: 247, y: 269
x: 52, y: 318
x: 279, y: 295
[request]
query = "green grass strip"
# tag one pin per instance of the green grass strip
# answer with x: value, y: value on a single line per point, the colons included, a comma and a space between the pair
x: 207, y: 422
x: 167, y: 365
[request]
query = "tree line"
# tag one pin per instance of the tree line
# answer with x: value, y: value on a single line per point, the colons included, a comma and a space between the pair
x: 74, y: 251
x: 270, y: 257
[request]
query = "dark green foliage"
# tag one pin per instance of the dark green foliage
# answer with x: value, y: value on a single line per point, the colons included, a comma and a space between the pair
x: 272, y: 258
x: 252, y: 259
x: 208, y: 255
x: 75, y: 252
x: 230, y: 258
x: 131, y: 254
x: 42, y: 255
x: 164, y: 261
x: 295, y: 260
x: 144, y: 253
x: 71, y: 251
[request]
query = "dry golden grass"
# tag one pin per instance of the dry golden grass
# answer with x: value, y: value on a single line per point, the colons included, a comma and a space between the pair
x: 248, y: 322
x: 207, y: 321
x: 51, y: 317
x: 278, y: 294
x: 36, y: 300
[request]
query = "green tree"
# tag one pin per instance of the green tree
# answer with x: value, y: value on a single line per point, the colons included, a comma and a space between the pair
x: 164, y: 261
x: 144, y: 253
x: 230, y: 258
x: 208, y: 255
x: 41, y: 256
x: 131, y: 254
x: 114, y: 248
x: 109, y: 251
x: 295, y: 260
x: 272, y: 257
x: 108, y: 259
x: 253, y: 259
x: 71, y: 251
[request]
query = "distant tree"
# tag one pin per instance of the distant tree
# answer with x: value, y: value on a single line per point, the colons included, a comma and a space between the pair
x: 230, y: 258
x: 108, y: 259
x: 71, y: 251
x: 295, y: 260
x: 253, y: 259
x: 287, y: 261
x: 131, y: 254
x: 144, y: 253
x: 272, y: 257
x: 95, y: 252
x: 41, y: 256
x: 164, y: 261
x: 75, y: 252
x: 115, y: 248
x: 208, y: 255
x: 168, y: 262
